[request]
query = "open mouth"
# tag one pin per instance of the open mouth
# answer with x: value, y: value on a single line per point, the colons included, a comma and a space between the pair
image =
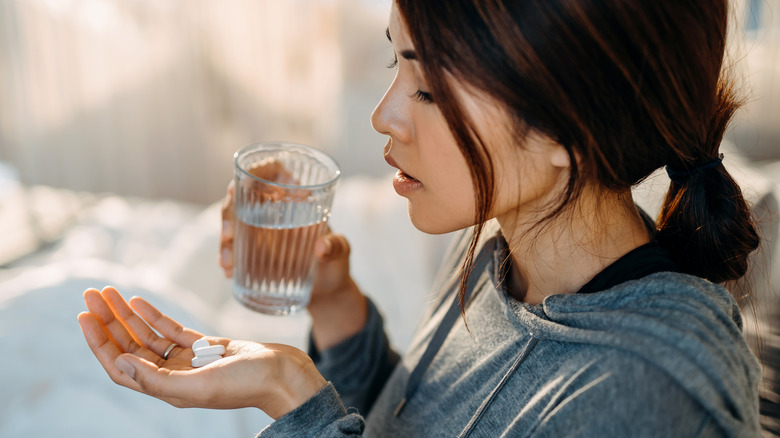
x: 403, y: 175
x: 400, y: 174
x: 403, y: 183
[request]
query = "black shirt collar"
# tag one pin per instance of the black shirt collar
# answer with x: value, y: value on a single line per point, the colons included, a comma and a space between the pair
x: 637, y: 263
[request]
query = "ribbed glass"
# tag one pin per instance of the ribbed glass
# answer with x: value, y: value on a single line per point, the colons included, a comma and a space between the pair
x: 283, y: 195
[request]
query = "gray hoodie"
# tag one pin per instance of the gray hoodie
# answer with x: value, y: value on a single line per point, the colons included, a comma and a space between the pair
x: 659, y: 356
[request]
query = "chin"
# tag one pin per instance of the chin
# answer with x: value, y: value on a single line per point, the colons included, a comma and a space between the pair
x: 436, y: 223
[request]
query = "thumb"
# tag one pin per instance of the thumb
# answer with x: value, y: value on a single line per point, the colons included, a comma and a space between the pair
x: 167, y: 385
x: 331, y: 247
x: 124, y: 365
x: 144, y: 373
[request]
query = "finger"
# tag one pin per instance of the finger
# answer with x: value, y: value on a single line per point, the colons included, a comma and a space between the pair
x: 322, y: 247
x: 227, y: 233
x: 113, y: 328
x: 331, y: 247
x: 227, y: 202
x: 226, y: 258
x: 98, y: 306
x: 181, y: 389
x: 270, y: 169
x: 322, y: 244
x: 104, y: 350
x: 228, y: 230
x: 226, y: 255
x: 164, y: 324
x: 137, y: 327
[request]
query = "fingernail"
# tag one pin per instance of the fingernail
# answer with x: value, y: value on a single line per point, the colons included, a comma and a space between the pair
x: 125, y: 367
x: 227, y: 227
x: 322, y: 247
x: 227, y: 256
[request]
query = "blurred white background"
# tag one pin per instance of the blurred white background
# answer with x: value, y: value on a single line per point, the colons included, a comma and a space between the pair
x: 151, y: 98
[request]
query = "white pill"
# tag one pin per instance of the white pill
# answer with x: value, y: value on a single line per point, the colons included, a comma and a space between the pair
x: 202, y: 342
x: 207, y: 351
x: 201, y: 361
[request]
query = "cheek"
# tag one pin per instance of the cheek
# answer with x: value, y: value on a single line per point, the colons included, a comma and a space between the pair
x: 446, y: 168
x: 525, y: 185
x: 446, y: 203
x: 455, y: 186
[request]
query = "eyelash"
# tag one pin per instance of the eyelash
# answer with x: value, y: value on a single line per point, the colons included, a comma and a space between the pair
x: 419, y: 95
x: 422, y: 96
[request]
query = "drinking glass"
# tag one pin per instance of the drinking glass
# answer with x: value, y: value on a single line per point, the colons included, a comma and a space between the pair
x: 283, y: 196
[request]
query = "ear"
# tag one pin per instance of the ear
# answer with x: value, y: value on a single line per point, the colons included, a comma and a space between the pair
x: 559, y: 157
x: 552, y: 152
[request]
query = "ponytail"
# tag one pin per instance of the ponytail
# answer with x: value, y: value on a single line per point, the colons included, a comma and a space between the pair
x: 705, y: 221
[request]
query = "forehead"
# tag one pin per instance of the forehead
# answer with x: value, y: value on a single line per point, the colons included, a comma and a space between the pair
x: 397, y: 28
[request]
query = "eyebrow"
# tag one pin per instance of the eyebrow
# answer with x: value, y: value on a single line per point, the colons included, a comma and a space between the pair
x: 411, y: 55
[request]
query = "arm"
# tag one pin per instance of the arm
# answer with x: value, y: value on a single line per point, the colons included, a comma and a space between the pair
x: 347, y: 343
x: 324, y: 415
x: 360, y: 365
x: 338, y: 310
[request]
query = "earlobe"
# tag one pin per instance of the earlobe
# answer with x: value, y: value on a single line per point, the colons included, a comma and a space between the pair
x: 559, y: 157
x: 552, y: 152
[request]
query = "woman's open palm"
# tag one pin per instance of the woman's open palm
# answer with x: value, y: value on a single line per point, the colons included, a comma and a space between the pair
x: 273, y: 377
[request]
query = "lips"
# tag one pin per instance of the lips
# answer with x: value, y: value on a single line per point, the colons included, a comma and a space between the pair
x: 403, y: 183
x: 401, y: 173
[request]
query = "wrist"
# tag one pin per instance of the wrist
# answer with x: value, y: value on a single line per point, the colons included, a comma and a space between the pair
x: 299, y: 381
x: 338, y: 317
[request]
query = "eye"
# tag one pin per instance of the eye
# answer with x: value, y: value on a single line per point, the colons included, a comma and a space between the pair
x: 393, y: 63
x: 423, y: 96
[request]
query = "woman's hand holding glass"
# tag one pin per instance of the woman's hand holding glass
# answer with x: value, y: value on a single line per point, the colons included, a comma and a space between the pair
x: 272, y: 377
x: 337, y: 306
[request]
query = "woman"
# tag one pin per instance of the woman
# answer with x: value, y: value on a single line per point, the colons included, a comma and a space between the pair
x: 564, y: 310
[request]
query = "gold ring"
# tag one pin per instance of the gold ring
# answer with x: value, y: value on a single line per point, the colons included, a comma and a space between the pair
x: 168, y: 350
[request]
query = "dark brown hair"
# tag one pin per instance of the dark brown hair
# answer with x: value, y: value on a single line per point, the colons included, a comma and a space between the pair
x: 626, y: 86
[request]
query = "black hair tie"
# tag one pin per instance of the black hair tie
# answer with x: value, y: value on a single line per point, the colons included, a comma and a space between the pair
x: 681, y: 176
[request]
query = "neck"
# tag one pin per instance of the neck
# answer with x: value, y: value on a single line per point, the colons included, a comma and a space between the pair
x: 559, y: 257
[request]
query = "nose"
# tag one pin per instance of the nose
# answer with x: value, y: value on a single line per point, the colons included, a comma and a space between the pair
x: 391, y: 115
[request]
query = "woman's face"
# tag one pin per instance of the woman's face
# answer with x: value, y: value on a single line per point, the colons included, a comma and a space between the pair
x: 432, y: 172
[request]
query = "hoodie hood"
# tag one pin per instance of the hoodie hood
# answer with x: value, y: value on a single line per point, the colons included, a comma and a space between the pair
x: 686, y: 326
